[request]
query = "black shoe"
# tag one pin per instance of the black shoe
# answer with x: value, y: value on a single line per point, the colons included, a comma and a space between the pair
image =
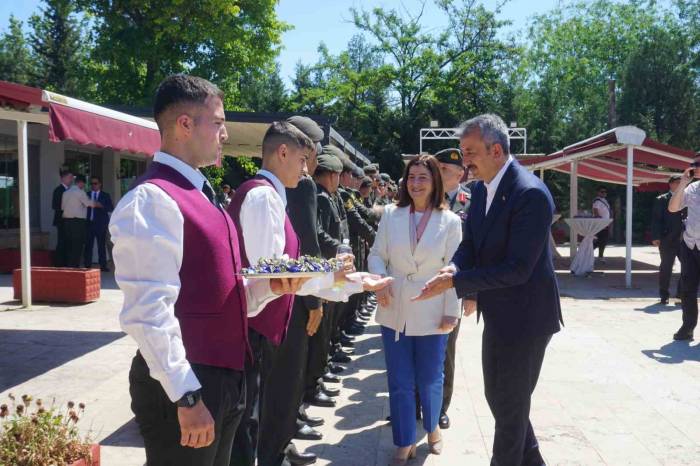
x: 311, y: 421
x: 345, y: 336
x: 331, y: 392
x: 308, y: 433
x: 322, y: 400
x: 347, y: 343
x: 341, y: 357
x: 348, y: 351
x: 105, y: 269
x: 355, y: 330
x: 335, y: 368
x: 663, y: 301
x: 683, y: 334
x: 329, y: 377
x: 298, y: 459
x: 444, y: 421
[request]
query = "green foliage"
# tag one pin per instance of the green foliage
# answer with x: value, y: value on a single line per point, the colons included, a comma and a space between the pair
x: 16, y: 63
x: 139, y: 42
x: 58, y: 42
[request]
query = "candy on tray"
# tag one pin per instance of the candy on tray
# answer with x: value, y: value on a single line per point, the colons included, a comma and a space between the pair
x: 305, y: 264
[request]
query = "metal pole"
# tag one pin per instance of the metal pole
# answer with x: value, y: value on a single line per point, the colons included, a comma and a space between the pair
x: 573, y: 206
x: 628, y: 220
x: 24, y: 233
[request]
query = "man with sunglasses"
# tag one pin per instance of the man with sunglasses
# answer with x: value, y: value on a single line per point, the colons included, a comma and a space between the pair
x: 97, y: 224
x: 688, y: 195
x: 601, y: 209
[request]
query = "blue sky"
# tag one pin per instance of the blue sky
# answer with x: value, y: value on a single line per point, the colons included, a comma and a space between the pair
x: 329, y: 21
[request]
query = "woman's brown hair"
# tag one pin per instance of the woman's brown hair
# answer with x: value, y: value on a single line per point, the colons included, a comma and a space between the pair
x: 437, y: 200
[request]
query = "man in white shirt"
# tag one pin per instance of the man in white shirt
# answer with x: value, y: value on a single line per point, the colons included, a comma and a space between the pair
x: 601, y: 209
x: 74, y: 204
x: 259, y: 211
x: 185, y: 307
x: 688, y: 195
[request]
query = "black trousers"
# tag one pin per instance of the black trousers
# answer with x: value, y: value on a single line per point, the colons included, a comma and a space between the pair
x: 602, y: 241
x: 511, y: 370
x: 450, y: 355
x: 223, y: 393
x: 245, y: 442
x: 668, y: 250
x: 284, y: 389
x: 690, y: 278
x: 319, y: 346
x: 96, y: 233
x: 61, y: 254
x: 75, y: 231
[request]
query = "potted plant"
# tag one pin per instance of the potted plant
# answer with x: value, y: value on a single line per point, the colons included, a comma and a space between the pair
x: 34, y: 434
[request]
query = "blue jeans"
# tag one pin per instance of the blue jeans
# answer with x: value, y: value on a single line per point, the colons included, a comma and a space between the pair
x: 413, y: 362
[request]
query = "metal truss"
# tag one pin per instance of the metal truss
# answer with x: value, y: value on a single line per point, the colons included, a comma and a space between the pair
x: 453, y: 133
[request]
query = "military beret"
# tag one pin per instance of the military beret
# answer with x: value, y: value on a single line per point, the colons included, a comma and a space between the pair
x: 366, y: 181
x: 370, y: 169
x: 336, y: 152
x: 674, y: 178
x: 451, y: 155
x: 385, y: 177
x: 348, y: 166
x: 329, y: 162
x: 307, y: 126
x: 358, y: 172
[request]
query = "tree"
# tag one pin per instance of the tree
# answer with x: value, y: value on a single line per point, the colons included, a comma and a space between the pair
x: 263, y: 91
x: 16, y: 62
x: 139, y: 42
x: 658, y: 89
x: 57, y: 40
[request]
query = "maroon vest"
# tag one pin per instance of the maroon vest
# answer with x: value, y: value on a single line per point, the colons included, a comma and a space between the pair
x: 271, y: 322
x: 211, y: 305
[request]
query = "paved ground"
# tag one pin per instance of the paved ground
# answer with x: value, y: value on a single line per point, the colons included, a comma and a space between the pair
x: 615, y: 389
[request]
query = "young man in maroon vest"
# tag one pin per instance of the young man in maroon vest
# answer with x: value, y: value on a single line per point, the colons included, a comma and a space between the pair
x: 258, y: 210
x: 186, y: 307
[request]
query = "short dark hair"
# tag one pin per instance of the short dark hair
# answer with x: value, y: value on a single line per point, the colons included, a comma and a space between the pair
x: 602, y: 188
x: 80, y: 179
x: 182, y: 89
x: 438, y: 197
x: 282, y: 132
x: 99, y: 180
x: 65, y: 171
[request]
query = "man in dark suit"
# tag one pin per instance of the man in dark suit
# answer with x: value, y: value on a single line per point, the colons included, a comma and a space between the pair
x: 97, y: 223
x: 666, y: 232
x: 60, y: 254
x: 505, y: 263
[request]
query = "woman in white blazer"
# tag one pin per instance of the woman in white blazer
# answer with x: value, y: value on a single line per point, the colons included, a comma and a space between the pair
x: 416, y: 238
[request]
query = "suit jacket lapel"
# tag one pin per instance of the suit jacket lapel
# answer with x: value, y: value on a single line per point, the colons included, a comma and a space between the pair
x: 499, y: 200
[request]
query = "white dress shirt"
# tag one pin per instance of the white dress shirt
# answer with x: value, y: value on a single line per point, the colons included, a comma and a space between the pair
x: 262, y: 218
x: 147, y: 231
x: 602, y: 207
x: 691, y: 200
x: 492, y: 186
x: 75, y: 202
x: 94, y: 196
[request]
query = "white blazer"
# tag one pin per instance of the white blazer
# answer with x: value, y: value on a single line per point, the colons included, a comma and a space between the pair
x: 391, y: 255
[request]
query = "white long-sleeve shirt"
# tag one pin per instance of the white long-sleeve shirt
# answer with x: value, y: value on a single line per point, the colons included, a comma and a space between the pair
x: 262, y: 220
x: 147, y: 231
x: 75, y: 203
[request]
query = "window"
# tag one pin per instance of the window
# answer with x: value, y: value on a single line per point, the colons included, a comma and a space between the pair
x: 9, y: 184
x: 129, y: 170
x: 84, y: 163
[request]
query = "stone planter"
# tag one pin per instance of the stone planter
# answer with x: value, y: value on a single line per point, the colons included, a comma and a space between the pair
x: 60, y: 285
x: 95, y: 461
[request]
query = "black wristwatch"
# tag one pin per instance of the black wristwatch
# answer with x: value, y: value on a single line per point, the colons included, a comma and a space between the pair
x: 189, y: 399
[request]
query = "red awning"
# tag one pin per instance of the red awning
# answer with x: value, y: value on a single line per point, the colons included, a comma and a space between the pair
x: 604, y: 158
x: 88, y: 124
